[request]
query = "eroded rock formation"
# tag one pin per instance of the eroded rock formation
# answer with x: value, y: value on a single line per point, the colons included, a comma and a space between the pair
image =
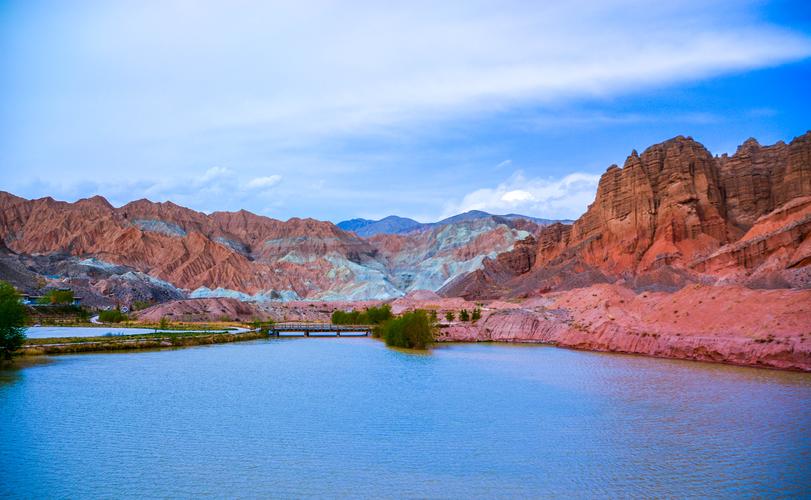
x: 673, y: 215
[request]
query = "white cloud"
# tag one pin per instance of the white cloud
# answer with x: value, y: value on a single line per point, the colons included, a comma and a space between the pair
x: 214, y: 173
x: 264, y: 182
x: 299, y: 72
x: 565, y: 198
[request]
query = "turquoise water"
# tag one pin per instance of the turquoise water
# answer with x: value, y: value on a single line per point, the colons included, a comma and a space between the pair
x: 47, y: 332
x: 351, y: 418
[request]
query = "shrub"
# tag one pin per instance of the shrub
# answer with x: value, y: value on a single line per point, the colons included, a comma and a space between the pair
x: 378, y: 315
x: 55, y: 297
x: 464, y: 315
x: 449, y: 316
x: 477, y: 314
x: 13, y: 315
x: 112, y: 316
x: 412, y: 330
x: 140, y: 304
x: 371, y: 316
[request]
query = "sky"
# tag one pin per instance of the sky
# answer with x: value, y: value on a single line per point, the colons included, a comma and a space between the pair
x: 336, y: 110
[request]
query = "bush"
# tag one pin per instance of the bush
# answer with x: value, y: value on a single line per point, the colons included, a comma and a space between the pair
x: 61, y: 297
x: 140, y: 304
x: 13, y: 315
x: 371, y: 316
x: 449, y: 316
x: 413, y: 330
x: 112, y: 316
x: 378, y: 315
x: 464, y: 315
x: 477, y: 314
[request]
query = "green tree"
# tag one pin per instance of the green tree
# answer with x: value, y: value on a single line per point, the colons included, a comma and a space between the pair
x: 449, y: 316
x: 378, y: 315
x: 164, y: 323
x: 57, y: 297
x: 371, y: 316
x: 13, y: 315
x: 477, y: 314
x: 112, y: 316
x: 464, y: 315
x: 412, y: 330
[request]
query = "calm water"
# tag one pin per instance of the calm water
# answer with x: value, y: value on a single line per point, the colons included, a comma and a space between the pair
x: 46, y: 332
x: 351, y: 418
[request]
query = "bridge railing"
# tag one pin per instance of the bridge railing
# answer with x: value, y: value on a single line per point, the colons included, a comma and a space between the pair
x: 313, y: 327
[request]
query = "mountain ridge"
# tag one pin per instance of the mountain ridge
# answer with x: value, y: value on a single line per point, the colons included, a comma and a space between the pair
x: 394, y: 224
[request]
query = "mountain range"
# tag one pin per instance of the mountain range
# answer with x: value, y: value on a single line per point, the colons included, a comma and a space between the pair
x: 146, y: 251
x: 672, y: 216
x: 394, y: 224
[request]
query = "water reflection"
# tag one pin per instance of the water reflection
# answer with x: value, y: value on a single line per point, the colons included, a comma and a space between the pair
x: 350, y: 417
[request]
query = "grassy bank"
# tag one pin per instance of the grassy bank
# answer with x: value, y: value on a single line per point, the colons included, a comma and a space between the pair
x: 175, y: 326
x: 122, y: 343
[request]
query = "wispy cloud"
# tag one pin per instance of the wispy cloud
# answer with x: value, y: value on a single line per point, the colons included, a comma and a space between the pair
x: 264, y: 182
x: 299, y: 71
x: 112, y: 91
x: 565, y: 198
x: 218, y: 188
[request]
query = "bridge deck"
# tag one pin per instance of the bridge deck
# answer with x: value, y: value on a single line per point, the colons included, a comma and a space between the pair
x: 307, y: 328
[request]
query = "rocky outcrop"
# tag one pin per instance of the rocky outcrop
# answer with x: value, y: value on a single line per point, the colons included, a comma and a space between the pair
x: 216, y: 309
x: 671, y: 216
x: 729, y: 324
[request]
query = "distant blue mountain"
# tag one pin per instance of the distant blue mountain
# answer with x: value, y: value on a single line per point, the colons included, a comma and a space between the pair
x: 387, y: 225
x: 393, y: 224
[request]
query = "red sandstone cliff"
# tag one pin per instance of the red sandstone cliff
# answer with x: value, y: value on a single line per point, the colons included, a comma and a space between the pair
x: 672, y: 215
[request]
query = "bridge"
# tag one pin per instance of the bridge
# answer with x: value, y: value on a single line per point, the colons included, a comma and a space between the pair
x: 318, y: 329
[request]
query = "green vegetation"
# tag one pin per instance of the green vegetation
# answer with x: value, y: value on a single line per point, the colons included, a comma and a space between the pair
x: 464, y: 315
x: 413, y: 330
x: 371, y: 316
x: 476, y: 315
x: 141, y: 304
x: 449, y: 316
x: 13, y: 315
x: 57, y: 297
x: 164, y: 323
x: 112, y: 316
x: 261, y: 326
x: 129, y: 342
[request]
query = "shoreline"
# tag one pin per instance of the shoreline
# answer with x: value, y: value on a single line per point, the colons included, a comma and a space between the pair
x: 125, y: 343
x: 724, y: 362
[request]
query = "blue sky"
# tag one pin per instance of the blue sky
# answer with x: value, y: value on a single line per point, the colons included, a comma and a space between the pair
x: 336, y: 110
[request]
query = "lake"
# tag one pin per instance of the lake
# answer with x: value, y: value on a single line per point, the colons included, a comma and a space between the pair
x: 309, y: 417
x: 46, y: 332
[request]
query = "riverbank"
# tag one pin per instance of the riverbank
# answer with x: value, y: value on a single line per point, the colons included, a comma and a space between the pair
x: 69, y: 345
x: 732, y: 325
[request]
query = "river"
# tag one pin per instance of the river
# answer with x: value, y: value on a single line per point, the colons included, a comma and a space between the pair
x: 347, y: 417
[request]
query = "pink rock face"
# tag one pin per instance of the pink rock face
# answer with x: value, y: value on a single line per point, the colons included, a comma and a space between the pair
x: 672, y: 215
x: 218, y: 309
x: 729, y: 324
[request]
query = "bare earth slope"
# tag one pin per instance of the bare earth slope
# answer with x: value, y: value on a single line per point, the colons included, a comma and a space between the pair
x: 92, y: 246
